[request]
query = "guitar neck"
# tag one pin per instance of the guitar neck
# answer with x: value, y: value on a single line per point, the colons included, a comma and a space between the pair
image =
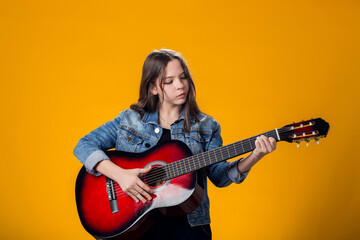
x: 204, y: 159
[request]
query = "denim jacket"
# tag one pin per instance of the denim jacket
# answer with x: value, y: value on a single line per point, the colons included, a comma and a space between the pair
x: 130, y: 133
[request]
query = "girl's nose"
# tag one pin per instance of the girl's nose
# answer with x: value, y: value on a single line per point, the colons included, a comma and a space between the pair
x: 178, y: 83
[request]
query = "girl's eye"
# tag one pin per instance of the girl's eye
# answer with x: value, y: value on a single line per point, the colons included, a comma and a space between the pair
x: 168, y: 82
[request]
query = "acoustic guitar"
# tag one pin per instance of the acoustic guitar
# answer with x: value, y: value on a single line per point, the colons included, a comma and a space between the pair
x: 106, y: 212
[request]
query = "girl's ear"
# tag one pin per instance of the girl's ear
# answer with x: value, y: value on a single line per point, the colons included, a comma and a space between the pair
x: 153, y: 89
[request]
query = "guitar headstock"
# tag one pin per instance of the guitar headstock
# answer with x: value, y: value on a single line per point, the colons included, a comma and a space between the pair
x: 304, y: 131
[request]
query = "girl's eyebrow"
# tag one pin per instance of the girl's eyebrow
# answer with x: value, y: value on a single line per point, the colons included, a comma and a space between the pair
x: 173, y: 76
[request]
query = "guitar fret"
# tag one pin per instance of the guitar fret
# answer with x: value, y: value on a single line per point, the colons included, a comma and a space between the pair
x: 207, y: 158
x: 204, y: 162
x: 172, y: 170
x: 177, y: 168
x: 227, y: 148
x: 222, y: 157
x: 181, y: 168
x: 189, y: 164
x: 235, y: 149
x: 167, y: 167
x: 166, y: 171
x: 203, y: 156
x: 193, y: 163
x: 246, y: 146
x: 216, y: 160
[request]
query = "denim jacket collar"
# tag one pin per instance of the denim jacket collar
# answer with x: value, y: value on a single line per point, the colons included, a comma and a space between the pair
x: 151, y: 117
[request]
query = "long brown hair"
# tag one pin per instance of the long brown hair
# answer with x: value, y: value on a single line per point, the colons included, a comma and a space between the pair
x: 153, y: 68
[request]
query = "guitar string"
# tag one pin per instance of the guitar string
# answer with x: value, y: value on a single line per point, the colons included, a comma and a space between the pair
x: 158, y: 172
x: 181, y: 169
x: 215, y: 153
x: 120, y: 193
x: 185, y: 162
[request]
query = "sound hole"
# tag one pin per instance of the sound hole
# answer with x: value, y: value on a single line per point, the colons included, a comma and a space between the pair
x: 155, y: 177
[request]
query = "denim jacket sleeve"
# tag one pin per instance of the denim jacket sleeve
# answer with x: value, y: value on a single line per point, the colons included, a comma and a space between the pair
x: 223, y: 173
x: 90, y: 150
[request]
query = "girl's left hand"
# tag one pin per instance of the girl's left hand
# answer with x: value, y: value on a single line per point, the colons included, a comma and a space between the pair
x: 264, y: 146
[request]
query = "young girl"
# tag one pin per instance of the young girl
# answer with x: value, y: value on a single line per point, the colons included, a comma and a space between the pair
x: 166, y: 110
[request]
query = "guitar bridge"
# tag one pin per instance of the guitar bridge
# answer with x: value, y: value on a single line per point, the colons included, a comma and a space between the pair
x: 110, y: 189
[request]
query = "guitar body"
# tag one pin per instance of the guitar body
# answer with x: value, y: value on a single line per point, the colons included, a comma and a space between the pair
x: 176, y: 196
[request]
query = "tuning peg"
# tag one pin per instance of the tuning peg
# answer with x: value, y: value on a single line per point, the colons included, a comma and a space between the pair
x: 317, y: 140
x: 298, y: 144
x: 307, y: 143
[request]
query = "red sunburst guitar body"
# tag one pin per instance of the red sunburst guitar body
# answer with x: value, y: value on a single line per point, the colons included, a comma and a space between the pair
x: 118, y: 215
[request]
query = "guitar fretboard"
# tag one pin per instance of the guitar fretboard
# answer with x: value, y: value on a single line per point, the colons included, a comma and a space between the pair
x: 211, y: 157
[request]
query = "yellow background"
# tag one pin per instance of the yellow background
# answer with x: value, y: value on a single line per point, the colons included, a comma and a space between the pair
x: 67, y: 67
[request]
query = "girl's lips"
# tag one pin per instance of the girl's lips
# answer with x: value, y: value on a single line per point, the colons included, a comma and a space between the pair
x: 181, y: 95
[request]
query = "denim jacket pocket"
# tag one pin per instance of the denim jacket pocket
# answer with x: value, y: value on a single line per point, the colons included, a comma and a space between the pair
x: 130, y: 140
x: 200, y: 135
x: 197, y: 140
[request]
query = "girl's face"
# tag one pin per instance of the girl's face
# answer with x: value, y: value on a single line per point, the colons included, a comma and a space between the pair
x: 175, y: 85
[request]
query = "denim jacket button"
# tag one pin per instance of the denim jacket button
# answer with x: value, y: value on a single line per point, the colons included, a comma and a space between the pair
x: 157, y: 130
x: 147, y: 145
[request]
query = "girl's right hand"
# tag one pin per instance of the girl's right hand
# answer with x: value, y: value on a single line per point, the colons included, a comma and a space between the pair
x: 128, y: 179
x: 130, y: 183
